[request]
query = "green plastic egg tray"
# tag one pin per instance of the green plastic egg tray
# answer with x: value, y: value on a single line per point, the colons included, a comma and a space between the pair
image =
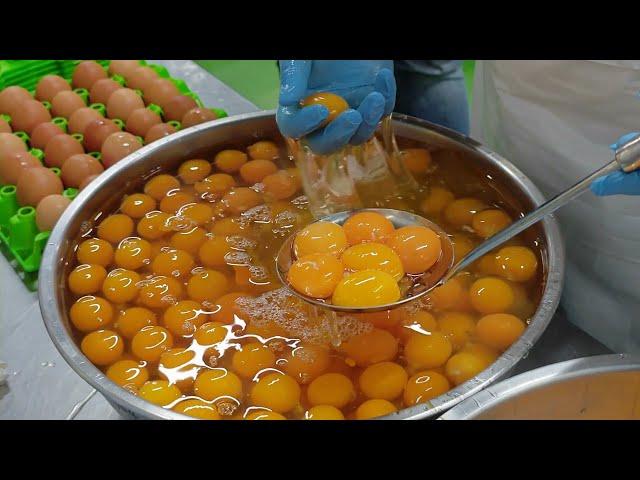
x: 20, y: 240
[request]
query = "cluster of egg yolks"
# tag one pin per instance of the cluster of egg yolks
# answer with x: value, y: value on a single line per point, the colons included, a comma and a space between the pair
x: 335, y: 104
x: 418, y: 247
x: 158, y: 313
x: 417, y: 160
x: 366, y: 288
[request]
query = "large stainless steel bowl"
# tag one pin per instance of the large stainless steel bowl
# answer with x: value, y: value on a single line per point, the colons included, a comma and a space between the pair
x: 604, y: 387
x: 104, y: 193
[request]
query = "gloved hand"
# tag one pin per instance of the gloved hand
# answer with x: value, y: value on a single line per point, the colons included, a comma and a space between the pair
x: 618, y: 183
x: 368, y: 86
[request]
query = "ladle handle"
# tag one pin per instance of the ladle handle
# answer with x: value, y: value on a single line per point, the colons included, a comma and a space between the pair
x: 627, y: 158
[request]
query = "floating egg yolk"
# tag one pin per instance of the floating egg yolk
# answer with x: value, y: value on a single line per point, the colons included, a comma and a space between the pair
x: 193, y: 171
x: 518, y: 264
x: 121, y: 285
x: 226, y: 308
x: 277, y: 392
x: 210, y: 333
x: 137, y: 205
x: 86, y: 279
x: 522, y: 306
x: 489, y: 222
x: 134, y: 319
x: 499, y: 330
x: 385, y: 380
x: 419, y: 323
x: 95, y: 251
x: 151, y: 342
x: 486, y: 354
x: 374, y: 408
x: 460, y: 212
x: 128, y: 374
x: 176, y: 367
x: 263, y: 150
x: 417, y: 160
x: 218, y: 384
x: 316, y: 275
x: 159, y: 292
x: 227, y: 226
x: 306, y: 362
x: 173, y: 263
x: 213, y: 251
x: 367, y: 227
x: 133, y: 253
x: 386, y: 319
x: 371, y: 347
x: 457, y: 327
x: 184, y: 318
x: 91, y: 313
x: 419, y: 248
x: 115, y: 228
x: 373, y: 256
x: 427, y: 351
x: 215, y: 186
x: 189, y: 240
x: 491, y: 295
x: 334, y: 103
x: 463, y: 366
x: 240, y: 200
x: 198, y: 213
x: 366, y: 288
x: 323, y: 412
x: 264, y: 415
x: 159, y: 186
x: 230, y: 161
x: 175, y: 200
x: 154, y: 225
x: 446, y: 296
x: 320, y: 237
x: 424, y: 386
x: 461, y: 245
x: 254, y: 171
x: 159, y: 392
x: 251, y: 359
x: 280, y: 185
x: 207, y: 285
x: 102, y: 347
x: 332, y: 389
x: 197, y: 409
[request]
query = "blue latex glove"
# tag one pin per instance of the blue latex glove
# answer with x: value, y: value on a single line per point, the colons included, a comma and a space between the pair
x: 367, y: 85
x: 618, y: 183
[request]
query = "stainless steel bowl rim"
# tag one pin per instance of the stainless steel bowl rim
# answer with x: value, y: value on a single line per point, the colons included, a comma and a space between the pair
x: 137, y: 407
x: 539, y: 377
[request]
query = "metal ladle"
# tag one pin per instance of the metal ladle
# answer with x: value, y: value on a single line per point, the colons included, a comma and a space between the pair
x: 626, y: 158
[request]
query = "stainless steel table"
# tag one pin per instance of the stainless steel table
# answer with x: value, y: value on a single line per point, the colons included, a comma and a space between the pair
x: 40, y: 385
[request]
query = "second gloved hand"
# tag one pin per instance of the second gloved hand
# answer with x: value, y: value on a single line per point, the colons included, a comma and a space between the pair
x: 618, y: 183
x: 368, y: 86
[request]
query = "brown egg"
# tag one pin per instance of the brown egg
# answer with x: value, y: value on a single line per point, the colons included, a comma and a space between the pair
x: 78, y: 167
x: 123, y: 67
x: 11, y: 97
x: 4, y: 126
x: 160, y: 91
x: 49, y: 86
x: 117, y: 146
x: 44, y: 132
x: 197, y: 115
x: 9, y: 144
x: 141, y: 120
x: 36, y: 183
x: 81, y: 118
x: 29, y: 115
x: 122, y: 103
x: 65, y: 103
x: 13, y: 165
x: 60, y: 148
x: 158, y: 131
x: 49, y: 210
x: 86, y: 74
x: 176, y: 107
x: 140, y: 77
x: 102, y: 90
x: 96, y: 132
x: 87, y: 181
